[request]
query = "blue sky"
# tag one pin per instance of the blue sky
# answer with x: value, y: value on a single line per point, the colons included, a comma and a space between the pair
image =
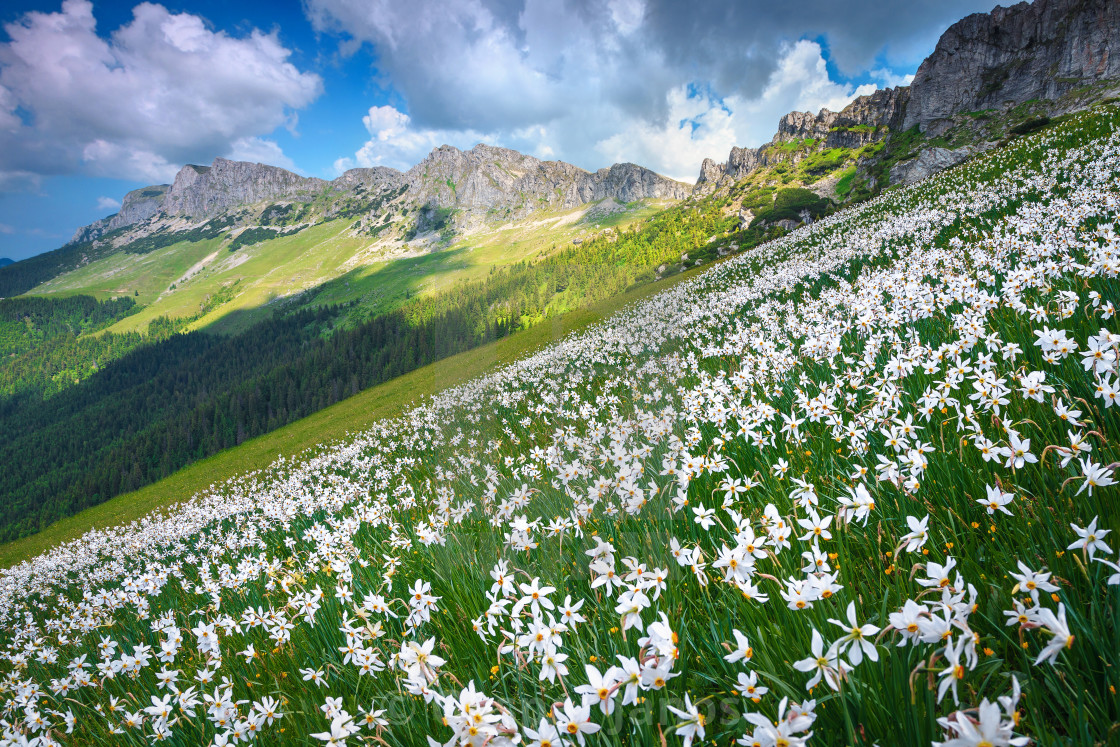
x: 100, y: 98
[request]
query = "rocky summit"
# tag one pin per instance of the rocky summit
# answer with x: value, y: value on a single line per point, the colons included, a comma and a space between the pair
x: 1059, y: 54
x: 482, y: 183
x: 1039, y: 50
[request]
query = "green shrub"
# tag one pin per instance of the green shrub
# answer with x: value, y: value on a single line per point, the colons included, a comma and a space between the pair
x: 790, y: 203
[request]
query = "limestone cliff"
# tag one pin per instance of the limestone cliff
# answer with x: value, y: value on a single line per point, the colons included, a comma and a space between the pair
x: 865, y: 120
x: 204, y: 191
x: 1046, y: 51
x: 483, y: 182
x: 138, y: 205
x: 501, y: 181
x: 1039, y: 50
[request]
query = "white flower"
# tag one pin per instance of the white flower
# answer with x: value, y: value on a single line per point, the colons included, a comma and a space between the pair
x: 742, y: 649
x: 1056, y: 626
x: 693, y: 722
x: 997, y: 500
x: 1092, y: 539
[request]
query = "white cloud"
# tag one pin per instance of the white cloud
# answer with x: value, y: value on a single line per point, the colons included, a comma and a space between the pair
x: 5, y: 228
x: 697, y: 124
x: 160, y: 91
x: 259, y: 150
x: 108, y: 203
x: 700, y: 125
x: 697, y: 127
x: 889, y: 79
x: 394, y: 143
x: 663, y: 84
x: 799, y: 83
x: 128, y: 160
x: 20, y: 181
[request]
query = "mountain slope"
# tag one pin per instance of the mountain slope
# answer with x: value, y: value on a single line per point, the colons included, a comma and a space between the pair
x: 450, y: 194
x: 822, y: 493
x: 183, y: 397
x: 323, y: 288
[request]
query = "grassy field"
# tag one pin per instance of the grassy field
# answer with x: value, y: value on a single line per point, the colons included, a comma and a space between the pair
x: 335, y: 422
x: 320, y: 265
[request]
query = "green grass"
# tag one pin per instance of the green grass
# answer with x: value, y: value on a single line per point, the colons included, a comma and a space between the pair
x: 845, y: 183
x: 348, y: 416
x: 330, y: 265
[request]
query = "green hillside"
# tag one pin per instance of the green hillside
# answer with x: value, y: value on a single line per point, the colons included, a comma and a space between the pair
x: 854, y: 486
x: 321, y: 265
x: 99, y: 413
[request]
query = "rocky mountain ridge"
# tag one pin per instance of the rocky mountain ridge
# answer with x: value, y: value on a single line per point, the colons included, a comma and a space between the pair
x: 138, y: 205
x: 865, y: 120
x: 1040, y: 50
x: 483, y: 182
x: 1044, y: 53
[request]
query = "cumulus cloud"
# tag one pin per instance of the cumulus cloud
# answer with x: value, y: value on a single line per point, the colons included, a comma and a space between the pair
x: 658, y: 82
x: 259, y: 150
x: 701, y: 125
x: 108, y: 203
x: 394, y: 143
x: 697, y: 124
x: 889, y: 79
x: 162, y: 90
x: 14, y: 180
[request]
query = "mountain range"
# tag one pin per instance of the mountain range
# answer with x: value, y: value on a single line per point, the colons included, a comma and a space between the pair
x: 483, y: 184
x: 1044, y: 58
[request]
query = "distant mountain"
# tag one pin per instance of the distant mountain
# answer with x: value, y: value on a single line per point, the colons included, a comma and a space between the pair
x: 451, y: 193
x: 483, y: 184
x: 4, y: 261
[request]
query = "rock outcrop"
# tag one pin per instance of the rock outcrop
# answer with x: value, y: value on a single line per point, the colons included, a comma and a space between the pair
x: 378, y: 177
x: 484, y: 182
x: 138, y: 205
x: 205, y: 191
x: 1029, y: 52
x: 486, y: 179
x: 928, y: 162
x: 1039, y: 50
x: 865, y: 120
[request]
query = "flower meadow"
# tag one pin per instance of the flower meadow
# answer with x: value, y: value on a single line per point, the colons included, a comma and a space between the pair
x: 851, y: 487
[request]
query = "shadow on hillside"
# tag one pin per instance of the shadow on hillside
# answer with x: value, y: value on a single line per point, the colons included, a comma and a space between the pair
x: 360, y: 293
x: 168, y: 404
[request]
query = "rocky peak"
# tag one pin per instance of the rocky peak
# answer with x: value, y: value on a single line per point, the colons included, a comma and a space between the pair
x: 377, y: 177
x: 627, y: 182
x: 885, y: 107
x: 863, y: 121
x: 483, y: 183
x: 1039, y: 50
x: 138, y: 205
x: 710, y: 172
x: 804, y: 125
x: 204, y: 191
x: 488, y: 180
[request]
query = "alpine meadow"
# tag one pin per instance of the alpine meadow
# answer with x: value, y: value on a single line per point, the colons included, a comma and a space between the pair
x: 495, y: 450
